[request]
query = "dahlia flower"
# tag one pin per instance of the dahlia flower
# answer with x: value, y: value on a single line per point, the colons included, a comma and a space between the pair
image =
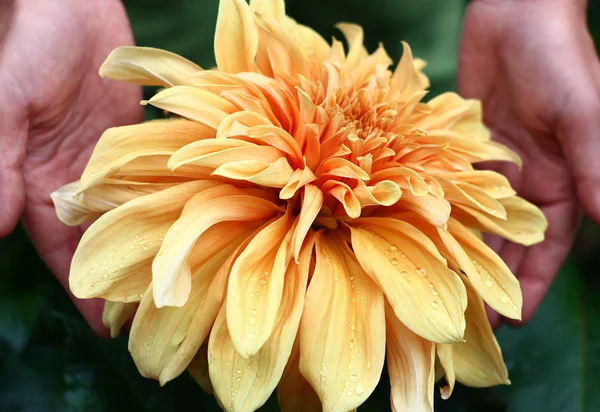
x: 302, y: 216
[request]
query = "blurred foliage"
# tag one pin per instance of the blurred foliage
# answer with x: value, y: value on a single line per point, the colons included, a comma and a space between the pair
x: 51, y: 361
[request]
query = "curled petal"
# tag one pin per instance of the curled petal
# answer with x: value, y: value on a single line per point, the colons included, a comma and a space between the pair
x: 148, y: 67
x: 275, y: 174
x: 383, y: 193
x: 312, y: 201
x: 343, y: 357
x: 445, y: 355
x: 426, y: 296
x: 342, y: 192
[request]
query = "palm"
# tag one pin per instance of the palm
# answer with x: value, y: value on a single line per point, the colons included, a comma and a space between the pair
x: 526, y: 71
x: 63, y: 106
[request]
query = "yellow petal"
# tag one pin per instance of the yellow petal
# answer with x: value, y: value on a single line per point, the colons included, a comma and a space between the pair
x: 171, y: 267
x: 275, y: 174
x: 404, y: 177
x: 525, y: 223
x: 195, y: 104
x: 354, y: 36
x: 478, y: 361
x: 433, y: 209
x: 426, y: 296
x: 114, y: 257
x: 115, y: 314
x: 492, y: 183
x: 236, y: 37
x: 294, y: 393
x: 256, y: 286
x: 243, y: 384
x: 121, y: 145
x: 198, y: 368
x: 488, y: 273
x: 411, y: 365
x: 383, y: 193
x: 445, y: 355
x: 405, y: 81
x: 342, y: 331
x: 74, y: 207
x: 163, y: 341
x: 312, y: 201
x: 469, y: 195
x: 148, y: 67
x: 273, y: 8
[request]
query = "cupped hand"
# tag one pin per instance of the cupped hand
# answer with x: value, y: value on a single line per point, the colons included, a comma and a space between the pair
x: 53, y: 109
x: 534, y: 66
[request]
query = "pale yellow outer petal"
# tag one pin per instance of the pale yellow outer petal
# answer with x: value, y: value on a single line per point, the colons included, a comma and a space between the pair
x: 445, y: 355
x: 294, y: 393
x: 163, y: 341
x: 198, y: 369
x: 74, y: 207
x: 236, y: 37
x: 494, y: 184
x: 115, y: 314
x: 148, y: 67
x: 256, y: 285
x: 525, y: 223
x: 478, y: 361
x: 426, y: 296
x: 487, y: 272
x: 245, y: 384
x: 121, y: 145
x: 411, y: 366
x: 342, y: 331
x: 114, y: 257
x: 273, y: 8
x: 171, y: 267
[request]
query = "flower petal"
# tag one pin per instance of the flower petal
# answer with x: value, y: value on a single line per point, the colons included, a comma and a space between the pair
x: 433, y: 209
x: 245, y: 384
x: 445, y: 356
x: 258, y: 273
x: 163, y: 341
x: 121, y: 145
x: 343, y: 357
x: 426, y: 296
x: 171, y: 267
x: 236, y: 37
x: 411, y: 365
x: 195, y: 104
x: 114, y: 257
x: 494, y: 184
x: 294, y: 393
x: 74, y: 207
x: 478, y: 361
x: 198, y: 368
x: 525, y: 223
x: 115, y: 314
x: 471, y: 196
x: 275, y: 174
x: 148, y: 67
x: 488, y: 273
x: 312, y: 201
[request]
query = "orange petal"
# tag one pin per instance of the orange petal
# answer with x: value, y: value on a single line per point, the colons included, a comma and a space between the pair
x: 275, y: 174
x: 312, y: 201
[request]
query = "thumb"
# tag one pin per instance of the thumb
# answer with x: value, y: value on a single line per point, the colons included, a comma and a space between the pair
x: 14, y: 131
x: 578, y: 130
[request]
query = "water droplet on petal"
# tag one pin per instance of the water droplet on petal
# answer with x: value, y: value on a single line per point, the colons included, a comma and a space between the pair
x: 394, y: 261
x: 435, y: 304
x: 393, y: 248
x: 353, y: 378
x: 251, y: 322
x: 504, y: 299
x: 359, y: 389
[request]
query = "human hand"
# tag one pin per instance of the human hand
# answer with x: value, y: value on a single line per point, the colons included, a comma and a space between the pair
x: 54, y: 107
x: 534, y: 66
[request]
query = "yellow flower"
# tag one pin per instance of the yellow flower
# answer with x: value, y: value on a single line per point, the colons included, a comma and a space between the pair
x: 303, y: 216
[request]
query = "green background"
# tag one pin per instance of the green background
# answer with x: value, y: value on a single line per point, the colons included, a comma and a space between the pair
x: 51, y: 361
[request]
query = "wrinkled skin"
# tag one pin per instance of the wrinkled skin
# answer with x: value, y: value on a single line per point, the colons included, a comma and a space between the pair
x: 54, y: 107
x: 534, y: 66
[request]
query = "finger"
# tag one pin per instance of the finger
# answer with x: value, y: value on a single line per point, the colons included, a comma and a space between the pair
x: 56, y: 244
x: 543, y: 261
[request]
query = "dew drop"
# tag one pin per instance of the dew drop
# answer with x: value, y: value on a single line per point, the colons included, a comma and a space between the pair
x: 387, y: 251
x: 254, y: 312
x: 121, y: 265
x: 251, y: 336
x: 421, y: 272
x: 351, y: 345
x: 145, y: 247
x: 435, y: 304
x: 359, y: 389
x: 348, y: 392
x: 504, y: 299
x: 394, y: 261
x: 239, y: 371
x: 488, y: 283
x: 393, y: 248
x: 404, y: 274
x: 251, y: 322
x: 434, y: 292
x: 353, y: 378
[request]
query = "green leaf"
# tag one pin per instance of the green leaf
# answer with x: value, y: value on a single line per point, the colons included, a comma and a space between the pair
x: 553, y: 361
